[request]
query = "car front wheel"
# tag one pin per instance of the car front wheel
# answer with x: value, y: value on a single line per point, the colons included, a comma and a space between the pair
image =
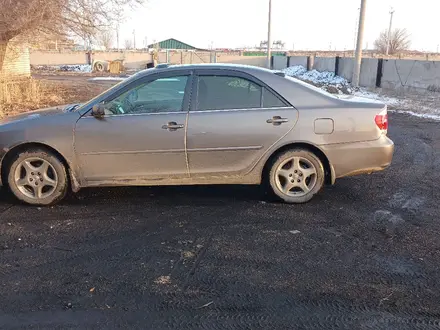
x: 37, y: 177
x: 296, y: 176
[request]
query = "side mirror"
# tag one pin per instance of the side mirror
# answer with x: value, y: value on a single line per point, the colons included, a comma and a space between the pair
x: 98, y: 111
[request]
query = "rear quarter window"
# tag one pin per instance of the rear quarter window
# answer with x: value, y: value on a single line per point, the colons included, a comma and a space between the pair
x: 270, y: 100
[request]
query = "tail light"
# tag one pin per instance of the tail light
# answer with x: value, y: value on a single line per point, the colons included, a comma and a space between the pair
x: 381, y: 120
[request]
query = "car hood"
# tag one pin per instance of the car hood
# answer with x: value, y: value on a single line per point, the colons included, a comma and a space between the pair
x: 41, y: 113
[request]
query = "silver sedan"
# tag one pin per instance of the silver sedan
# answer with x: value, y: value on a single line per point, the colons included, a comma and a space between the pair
x: 195, y: 124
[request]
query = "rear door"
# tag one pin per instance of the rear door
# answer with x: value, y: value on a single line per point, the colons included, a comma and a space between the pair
x: 233, y: 120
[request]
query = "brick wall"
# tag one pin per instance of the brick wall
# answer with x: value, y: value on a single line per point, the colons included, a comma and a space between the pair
x: 16, y: 62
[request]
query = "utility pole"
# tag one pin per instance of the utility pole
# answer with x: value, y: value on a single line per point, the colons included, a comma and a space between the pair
x: 134, y: 39
x: 269, y: 36
x: 117, y: 37
x: 360, y: 41
x: 389, y: 31
x: 355, y: 31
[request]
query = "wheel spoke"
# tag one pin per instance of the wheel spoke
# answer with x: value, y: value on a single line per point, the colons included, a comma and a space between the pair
x: 43, y: 167
x: 296, y: 164
x: 288, y: 186
x: 304, y: 186
x: 22, y: 182
x: 38, y: 191
x: 308, y: 172
x: 28, y: 167
x: 48, y: 181
x: 284, y: 173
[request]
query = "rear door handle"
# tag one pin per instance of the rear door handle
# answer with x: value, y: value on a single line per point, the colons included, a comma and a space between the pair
x: 172, y: 126
x: 277, y: 120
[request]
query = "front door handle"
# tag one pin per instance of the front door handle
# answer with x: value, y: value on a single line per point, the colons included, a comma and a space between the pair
x: 277, y: 120
x: 172, y: 126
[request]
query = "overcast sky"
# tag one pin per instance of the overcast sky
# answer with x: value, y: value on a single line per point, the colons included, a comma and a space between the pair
x: 307, y: 25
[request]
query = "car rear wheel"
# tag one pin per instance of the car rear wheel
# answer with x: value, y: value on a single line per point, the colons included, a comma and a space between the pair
x: 37, y: 177
x: 295, y: 176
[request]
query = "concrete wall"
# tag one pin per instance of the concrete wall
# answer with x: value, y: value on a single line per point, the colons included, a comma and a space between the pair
x: 137, y: 60
x: 246, y: 60
x: 411, y: 74
x: 396, y: 73
x: 325, y: 64
x: 279, y: 62
x: 131, y: 59
x: 56, y: 58
x: 134, y: 60
x: 346, y: 67
x: 368, y: 72
x: 298, y: 60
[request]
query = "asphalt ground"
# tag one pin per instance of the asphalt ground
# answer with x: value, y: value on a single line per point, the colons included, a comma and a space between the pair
x: 364, y: 254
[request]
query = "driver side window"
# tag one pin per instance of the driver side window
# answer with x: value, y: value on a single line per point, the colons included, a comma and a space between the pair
x: 160, y: 95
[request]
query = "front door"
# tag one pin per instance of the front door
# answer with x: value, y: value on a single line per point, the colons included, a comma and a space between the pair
x: 233, y: 121
x: 141, y: 136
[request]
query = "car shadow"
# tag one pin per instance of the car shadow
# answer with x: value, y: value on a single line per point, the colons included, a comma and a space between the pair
x: 160, y: 195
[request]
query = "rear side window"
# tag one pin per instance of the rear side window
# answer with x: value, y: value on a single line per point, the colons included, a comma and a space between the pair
x: 270, y: 100
x: 226, y: 92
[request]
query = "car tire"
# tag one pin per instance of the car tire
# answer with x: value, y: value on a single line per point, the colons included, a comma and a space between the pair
x: 295, y: 176
x: 37, y: 177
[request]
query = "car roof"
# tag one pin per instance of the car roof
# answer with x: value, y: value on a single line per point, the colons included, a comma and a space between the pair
x: 205, y: 66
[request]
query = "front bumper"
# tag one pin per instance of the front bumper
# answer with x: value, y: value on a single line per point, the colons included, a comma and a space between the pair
x: 2, y: 156
x: 360, y: 157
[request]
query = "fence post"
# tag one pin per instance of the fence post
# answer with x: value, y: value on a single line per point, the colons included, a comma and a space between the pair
x: 310, y: 62
x: 167, y: 56
x: 337, y: 66
x: 181, y: 57
x: 288, y: 61
x: 379, y: 72
x: 191, y: 57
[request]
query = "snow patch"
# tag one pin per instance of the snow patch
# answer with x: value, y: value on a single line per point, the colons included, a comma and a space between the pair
x: 326, y: 80
x: 322, y: 79
x: 66, y: 68
x: 107, y: 78
x: 417, y: 114
x: 363, y: 93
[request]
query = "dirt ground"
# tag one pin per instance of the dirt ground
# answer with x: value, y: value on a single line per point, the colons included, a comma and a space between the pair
x: 57, y: 89
x: 364, y: 254
x: 423, y: 102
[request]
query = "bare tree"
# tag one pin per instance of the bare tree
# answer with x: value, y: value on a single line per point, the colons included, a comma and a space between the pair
x: 399, y: 41
x: 128, y: 44
x: 105, y: 38
x: 279, y: 44
x: 20, y: 19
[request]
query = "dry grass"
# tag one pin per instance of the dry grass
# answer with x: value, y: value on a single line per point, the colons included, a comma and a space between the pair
x: 30, y: 94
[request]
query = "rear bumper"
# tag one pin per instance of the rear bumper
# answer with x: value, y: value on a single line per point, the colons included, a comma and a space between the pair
x: 360, y: 157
